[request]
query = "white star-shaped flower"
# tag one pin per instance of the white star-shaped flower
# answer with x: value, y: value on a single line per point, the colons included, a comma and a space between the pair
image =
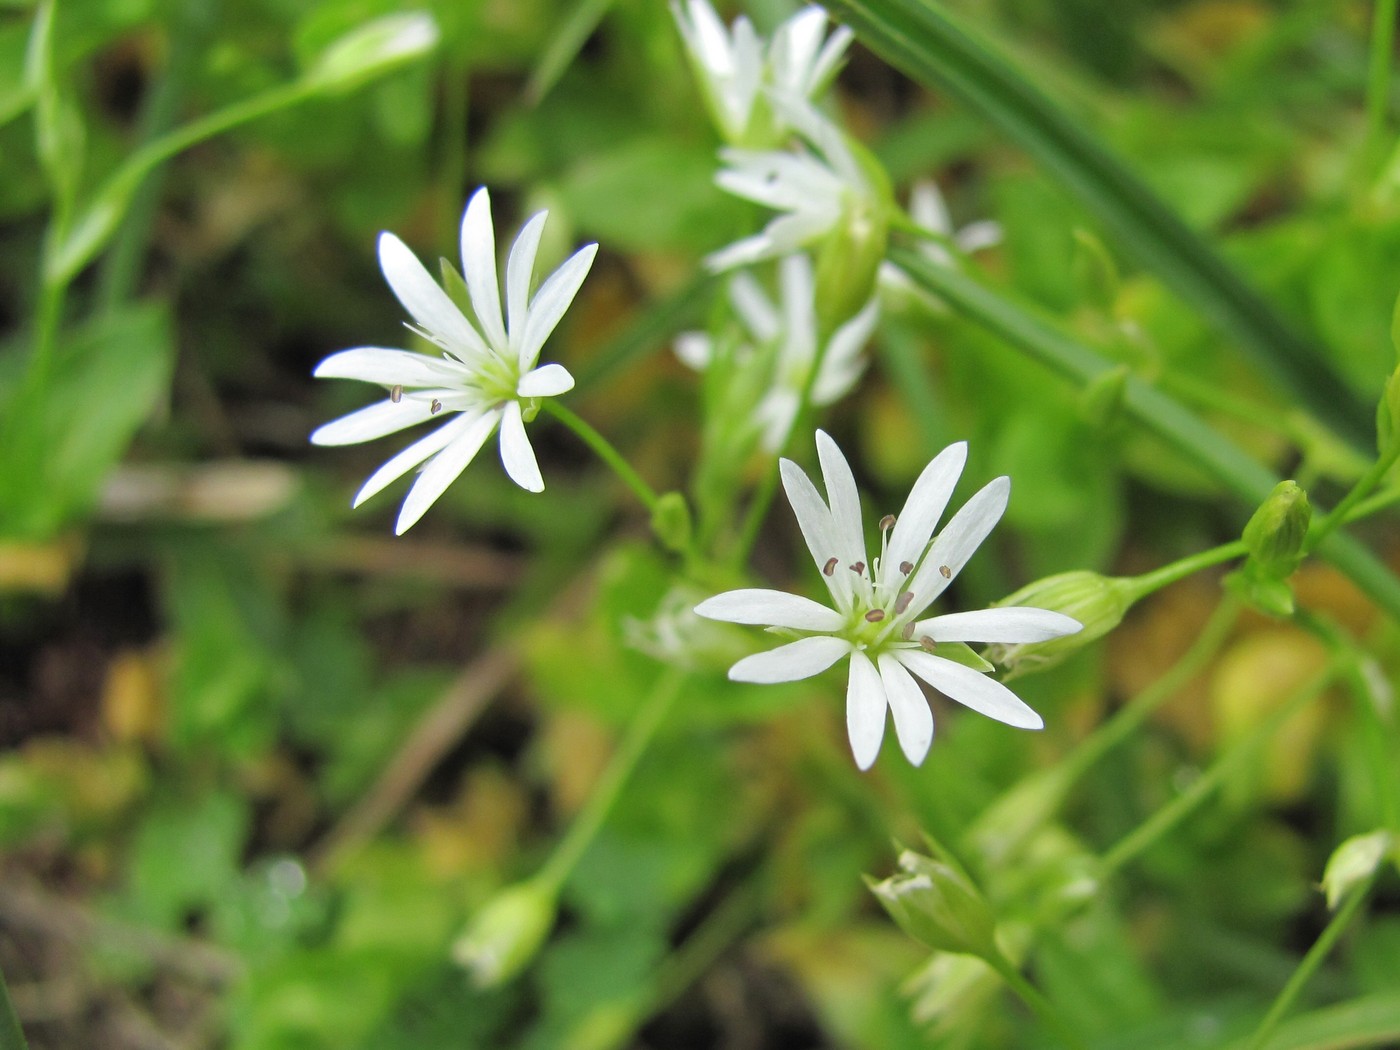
x: 486, y: 377
x: 879, y: 603
x: 735, y: 72
x: 789, y: 328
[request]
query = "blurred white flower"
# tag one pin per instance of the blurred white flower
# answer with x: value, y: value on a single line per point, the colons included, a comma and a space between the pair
x: 818, y: 190
x: 738, y: 74
x: 486, y: 377
x: 878, y: 603
x: 789, y: 330
x: 930, y: 212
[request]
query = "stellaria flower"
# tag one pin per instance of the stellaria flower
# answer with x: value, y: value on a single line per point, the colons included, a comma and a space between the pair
x: 736, y: 75
x: 486, y: 377
x: 789, y: 330
x: 877, y: 620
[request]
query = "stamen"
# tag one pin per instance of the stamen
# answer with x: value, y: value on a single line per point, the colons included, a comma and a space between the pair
x: 830, y: 566
x: 947, y: 572
x: 887, y: 522
x: 926, y: 643
x: 875, y: 616
x: 906, y: 567
x: 858, y: 567
x: 907, y: 631
x: 435, y: 407
x: 396, y: 393
x: 902, y: 602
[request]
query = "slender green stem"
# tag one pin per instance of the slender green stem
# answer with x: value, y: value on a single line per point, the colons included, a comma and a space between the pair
x: 1032, y: 997
x: 11, y: 1035
x: 1178, y: 570
x: 1169, y: 816
x: 604, y: 450
x: 1363, y: 488
x: 591, y: 818
x: 1310, y: 963
x: 1378, y: 78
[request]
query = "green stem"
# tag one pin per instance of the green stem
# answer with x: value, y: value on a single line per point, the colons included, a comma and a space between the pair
x: 1165, y: 819
x: 1321, y: 948
x: 11, y: 1035
x: 1032, y: 997
x: 1364, y: 486
x: 1178, y: 570
x: 1378, y: 78
x: 591, y: 818
x: 604, y: 450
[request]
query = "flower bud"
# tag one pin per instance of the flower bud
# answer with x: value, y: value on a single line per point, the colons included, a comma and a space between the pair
x: 849, y: 257
x: 505, y: 935
x: 670, y: 522
x: 938, y: 906
x: 1276, y: 532
x: 1098, y: 602
x: 1355, y: 861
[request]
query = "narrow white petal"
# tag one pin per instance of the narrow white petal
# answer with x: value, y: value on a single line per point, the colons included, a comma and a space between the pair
x: 740, y: 253
x: 927, y: 501
x: 831, y: 53
x: 799, y: 312
x: 552, y: 300
x: 479, y: 267
x: 695, y: 350
x: 545, y: 381
x: 913, y: 718
x: 421, y: 296
x: 957, y: 543
x: 373, y: 421
x: 371, y: 364
x: 978, y: 235
x: 1013, y: 624
x: 844, y: 498
x: 792, y: 662
x: 520, y: 268
x: 970, y: 688
x: 814, y: 520
x: 778, y: 608
x: 443, y: 470
x: 927, y: 209
x: 865, y: 710
x: 753, y: 306
x: 414, y: 454
x: 516, y: 454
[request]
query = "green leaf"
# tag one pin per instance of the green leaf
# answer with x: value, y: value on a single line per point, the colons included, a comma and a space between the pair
x: 570, y: 34
x: 1370, y: 1021
x: 926, y: 42
x: 373, y: 49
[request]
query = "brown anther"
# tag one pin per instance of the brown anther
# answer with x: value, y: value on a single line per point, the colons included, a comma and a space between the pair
x: 906, y: 567
x: 887, y: 522
x: 947, y: 572
x: 858, y: 567
x: 435, y: 407
x: 902, y: 602
x: 927, y: 644
x: 907, y: 631
x: 875, y: 616
x: 396, y: 393
x: 830, y: 566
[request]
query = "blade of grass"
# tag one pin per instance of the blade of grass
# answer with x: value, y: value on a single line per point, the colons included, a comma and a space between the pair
x: 927, y: 43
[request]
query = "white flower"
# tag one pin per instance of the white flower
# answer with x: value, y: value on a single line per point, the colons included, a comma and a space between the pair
x: 817, y: 190
x: 486, y: 377
x: 790, y: 329
x: 735, y: 73
x: 879, y: 602
x: 929, y: 211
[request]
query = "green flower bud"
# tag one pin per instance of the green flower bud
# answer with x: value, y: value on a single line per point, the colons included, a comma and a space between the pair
x: 848, y: 259
x: 938, y: 906
x: 1098, y: 602
x: 505, y: 935
x: 1354, y: 862
x: 670, y: 521
x: 1276, y: 532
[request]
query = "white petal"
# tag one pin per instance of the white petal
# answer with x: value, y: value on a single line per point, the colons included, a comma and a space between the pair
x: 479, y: 267
x: 516, y: 454
x: 373, y: 421
x: 957, y: 543
x: 545, y: 381
x: 1013, y: 624
x: 371, y: 364
x: 844, y: 498
x: 865, y: 710
x: 978, y: 235
x: 792, y: 662
x: 740, y: 253
x: 754, y: 307
x: 926, y: 503
x: 927, y: 209
x: 814, y: 520
x: 551, y: 301
x: 443, y: 470
x: 970, y: 688
x: 913, y: 718
x: 799, y: 312
x: 416, y: 453
x: 778, y: 608
x: 831, y: 53
x: 694, y: 350
x: 421, y: 296
x: 520, y: 267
